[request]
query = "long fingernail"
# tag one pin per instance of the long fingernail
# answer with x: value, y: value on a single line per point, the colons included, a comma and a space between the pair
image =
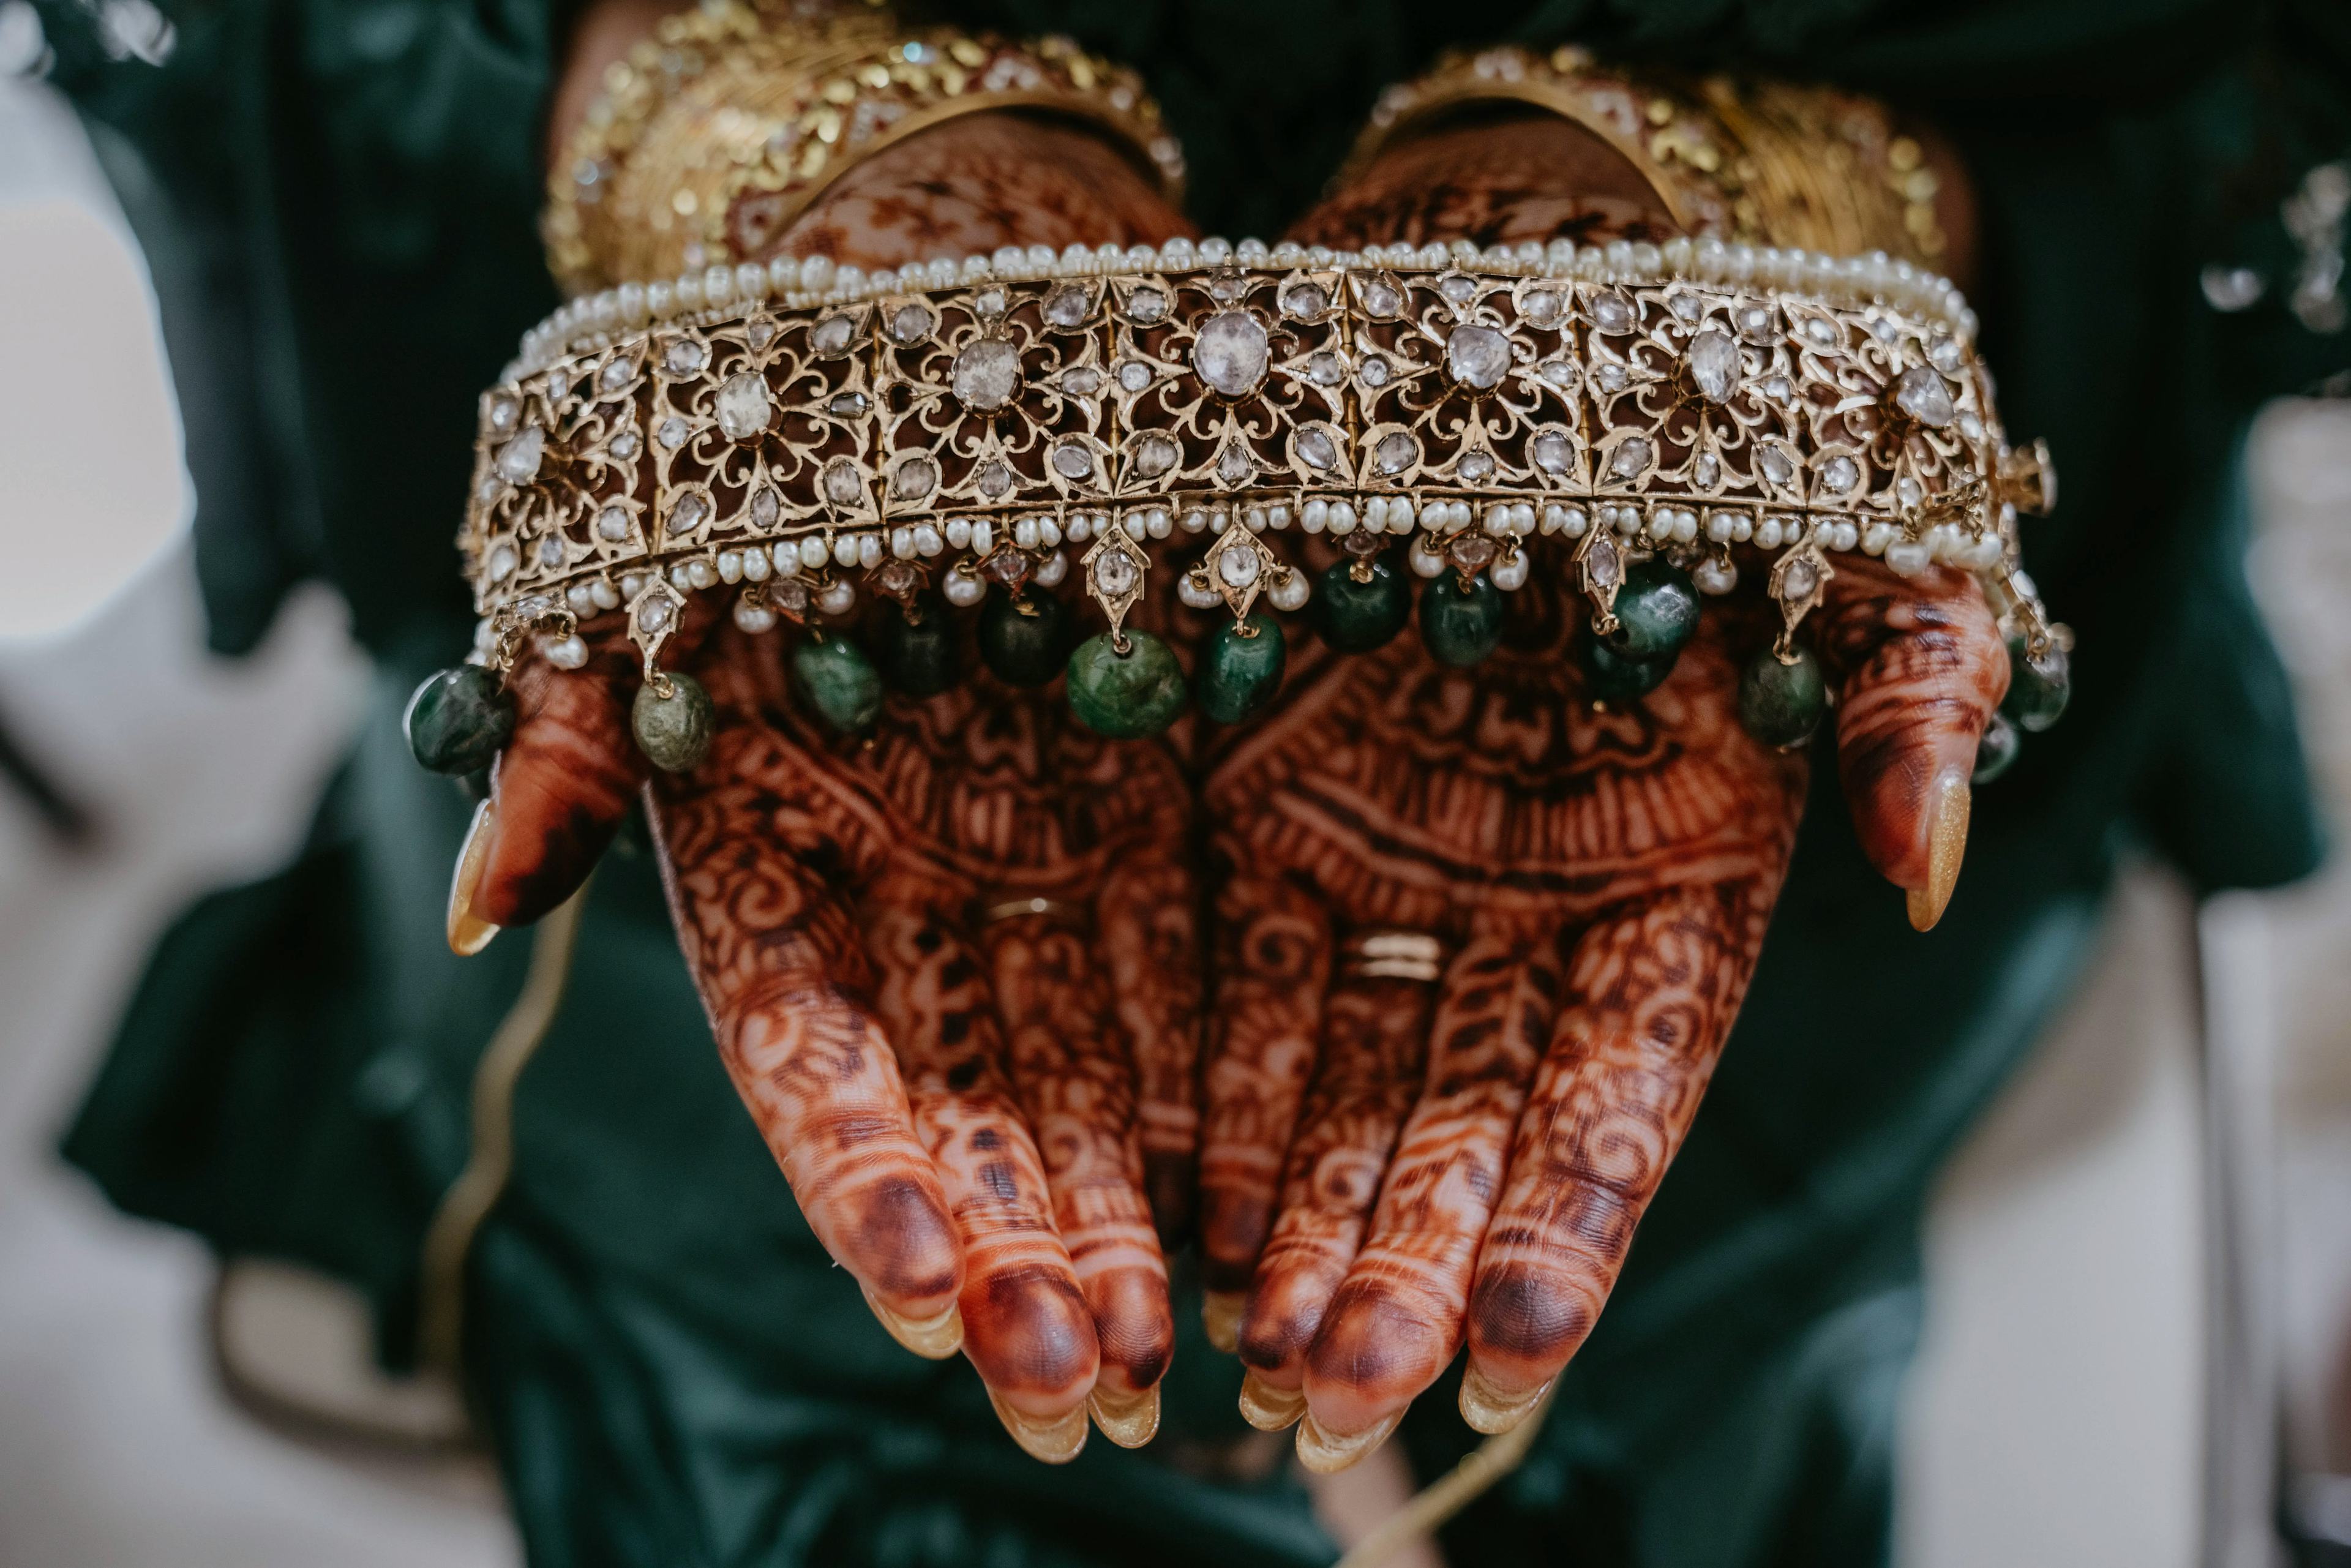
x: 1946, y: 845
x: 1326, y: 1453
x: 1220, y: 1316
x: 1490, y: 1410
x: 1268, y: 1409
x: 468, y: 932
x: 1130, y: 1420
x: 1056, y: 1440
x: 936, y: 1338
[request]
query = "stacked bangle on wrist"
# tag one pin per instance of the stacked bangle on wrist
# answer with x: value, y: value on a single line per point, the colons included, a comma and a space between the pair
x: 718, y: 133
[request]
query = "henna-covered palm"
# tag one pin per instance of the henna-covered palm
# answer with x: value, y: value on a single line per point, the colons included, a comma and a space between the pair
x: 966, y: 1099
x: 1389, y: 1168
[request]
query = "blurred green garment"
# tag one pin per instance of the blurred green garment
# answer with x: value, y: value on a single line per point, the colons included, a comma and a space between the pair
x: 339, y: 197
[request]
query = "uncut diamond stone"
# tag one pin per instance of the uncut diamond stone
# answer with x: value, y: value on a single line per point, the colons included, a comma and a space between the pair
x: 1396, y: 451
x: 518, y: 459
x: 843, y: 484
x: 1631, y: 458
x: 791, y: 593
x: 1551, y: 451
x: 1146, y: 305
x: 834, y: 335
x: 1820, y: 333
x: 504, y: 412
x: 1316, y: 449
x: 1841, y: 474
x: 1230, y: 352
x: 1009, y: 568
x: 672, y: 432
x: 1082, y: 380
x: 1374, y: 372
x: 615, y: 373
x: 1072, y: 460
x: 1115, y: 573
x: 684, y: 356
x: 988, y: 374
x: 743, y: 408
x: 623, y: 445
x: 551, y: 551
x: 915, y: 478
x: 1540, y: 308
x: 1612, y: 313
x: 1234, y: 467
x: 1686, y: 307
x: 654, y: 614
x: 896, y: 578
x: 1477, y: 466
x: 759, y: 334
x: 1611, y: 377
x: 613, y: 524
x: 1602, y: 561
x: 1944, y: 354
x: 911, y: 322
x: 1799, y: 580
x: 502, y: 563
x: 1381, y: 297
x: 690, y: 510
x: 1776, y: 465
x: 1478, y: 356
x: 1754, y: 321
x: 1925, y: 397
x: 848, y: 405
x: 1714, y: 364
x: 1153, y: 456
x: 1324, y: 370
x: 1708, y: 469
x: 988, y: 301
x: 994, y: 480
x: 766, y: 507
x: 1472, y: 550
x: 1304, y: 301
x: 1457, y: 288
x: 1134, y: 375
x: 1068, y: 306
x: 1560, y: 373
x: 1238, y: 567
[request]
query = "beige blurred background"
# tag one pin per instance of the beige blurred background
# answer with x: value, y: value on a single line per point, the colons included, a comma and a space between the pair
x: 2059, y: 1414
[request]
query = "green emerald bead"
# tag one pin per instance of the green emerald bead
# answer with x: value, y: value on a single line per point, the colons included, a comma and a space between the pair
x: 834, y: 677
x: 1355, y: 614
x: 2037, y: 688
x: 1240, y: 671
x: 1782, y: 705
x: 459, y: 719
x: 1656, y: 611
x: 1460, y: 626
x: 1610, y: 677
x: 1024, y: 636
x: 917, y: 653
x: 673, y: 731
x: 1127, y: 695
x: 1997, y: 752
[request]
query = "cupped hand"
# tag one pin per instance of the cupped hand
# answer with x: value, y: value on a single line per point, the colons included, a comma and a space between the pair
x: 949, y: 961
x: 1394, y: 1167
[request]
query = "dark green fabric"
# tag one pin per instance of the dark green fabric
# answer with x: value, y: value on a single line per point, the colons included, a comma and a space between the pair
x: 340, y: 195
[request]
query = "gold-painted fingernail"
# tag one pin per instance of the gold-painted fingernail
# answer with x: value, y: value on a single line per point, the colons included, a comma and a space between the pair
x: 1490, y: 1410
x: 1056, y: 1440
x: 468, y: 932
x: 1326, y: 1453
x: 934, y: 1339
x: 1268, y: 1409
x: 1220, y: 1316
x: 1946, y: 845
x: 1130, y: 1420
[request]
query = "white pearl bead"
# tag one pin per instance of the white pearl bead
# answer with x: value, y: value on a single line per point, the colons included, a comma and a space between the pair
x: 1158, y: 522
x: 1051, y: 569
x: 1253, y: 519
x: 582, y: 598
x: 1425, y: 559
x: 787, y: 556
x: 1343, y: 517
x: 1510, y: 573
x: 1024, y: 534
x: 1080, y: 530
x: 784, y: 274
x: 756, y: 567
x: 754, y: 618
x: 1907, y: 558
x: 902, y: 542
x: 1194, y: 591
x: 962, y: 588
x: 1277, y: 516
x: 959, y: 533
x: 1289, y: 591
x: 688, y: 289
x: 814, y: 552
x: 927, y: 542
x: 1497, y: 519
x: 607, y: 596
x: 730, y: 566
x: 1767, y: 533
x: 983, y: 536
x: 564, y: 652
x: 845, y: 550
x: 838, y: 595
x: 680, y: 579
x: 1375, y: 515
x: 1048, y: 532
x: 1314, y: 516
x: 1714, y: 575
x: 717, y: 284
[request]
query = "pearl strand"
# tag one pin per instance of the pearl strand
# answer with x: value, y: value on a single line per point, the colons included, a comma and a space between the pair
x: 717, y: 294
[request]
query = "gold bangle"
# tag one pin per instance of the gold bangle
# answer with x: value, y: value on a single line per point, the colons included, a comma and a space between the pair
x: 1754, y: 161
x: 711, y: 171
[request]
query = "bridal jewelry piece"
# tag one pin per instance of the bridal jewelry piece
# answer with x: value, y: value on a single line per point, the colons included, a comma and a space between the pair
x: 791, y: 436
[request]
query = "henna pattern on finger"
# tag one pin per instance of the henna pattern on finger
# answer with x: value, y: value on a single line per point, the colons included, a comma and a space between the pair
x: 1148, y: 918
x: 1652, y: 996
x: 1375, y: 1038
x: 1027, y: 1326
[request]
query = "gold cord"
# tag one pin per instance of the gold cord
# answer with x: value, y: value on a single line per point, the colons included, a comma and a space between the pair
x: 468, y: 1201
x: 1458, y: 1488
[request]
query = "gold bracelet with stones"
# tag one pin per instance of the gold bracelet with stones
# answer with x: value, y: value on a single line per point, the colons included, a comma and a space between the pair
x: 713, y: 163
x: 1672, y: 416
x: 1762, y: 161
